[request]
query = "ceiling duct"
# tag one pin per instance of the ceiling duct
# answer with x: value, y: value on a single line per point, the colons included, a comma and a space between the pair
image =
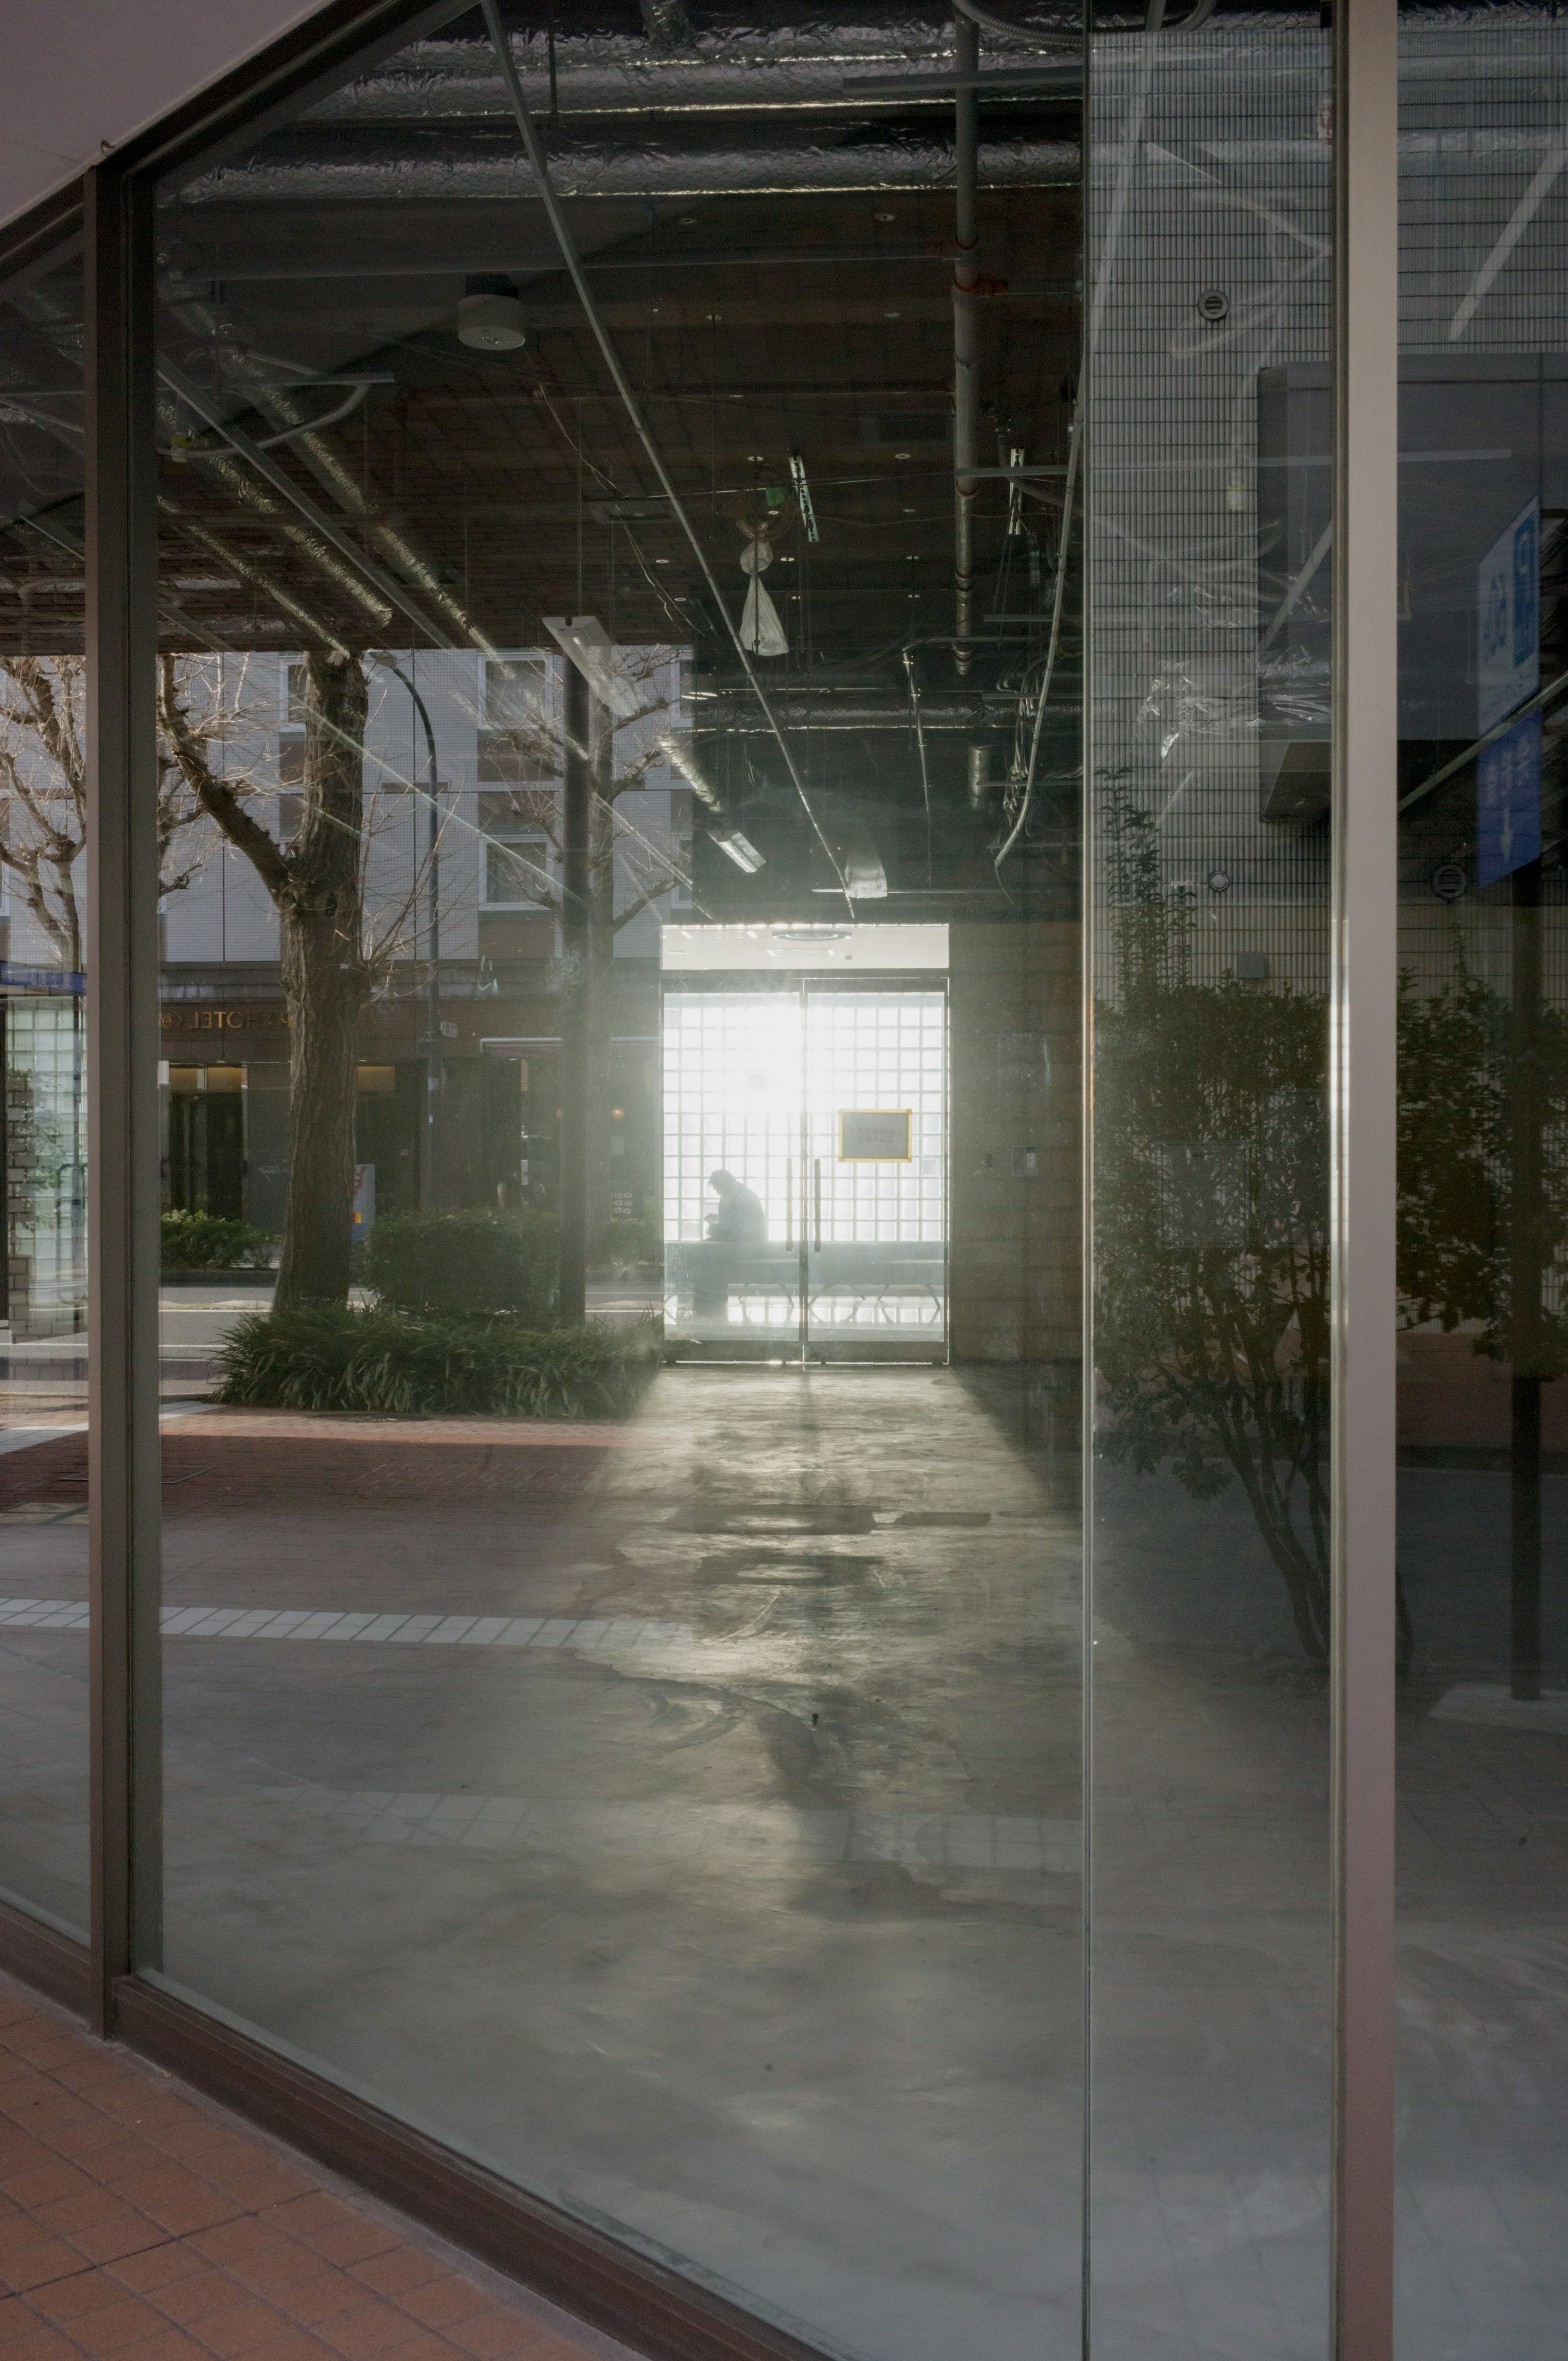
x: 798, y: 57
x: 765, y: 158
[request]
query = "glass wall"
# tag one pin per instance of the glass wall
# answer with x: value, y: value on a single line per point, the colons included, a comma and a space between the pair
x: 1208, y: 290
x: 43, y: 1118
x: 638, y: 1741
x: 1484, y: 1008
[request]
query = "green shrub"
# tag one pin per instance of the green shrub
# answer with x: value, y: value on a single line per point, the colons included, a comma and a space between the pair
x: 348, y: 1359
x: 204, y: 1242
x: 458, y: 1264
x: 629, y: 1242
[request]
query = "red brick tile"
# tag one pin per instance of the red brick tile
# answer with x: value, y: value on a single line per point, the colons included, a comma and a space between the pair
x: 178, y: 2200
x: 110, y: 2327
x: 240, y: 2328
x: 440, y: 2302
x: 333, y: 2296
x: 492, y: 2333
x: 212, y: 2149
x: 395, y: 2273
x: 191, y: 2301
x: 128, y: 2160
x: 168, y: 2344
x: 65, y: 2301
x: 300, y: 2215
x: 266, y: 2185
x: 29, y: 2257
x: 298, y: 2346
x: 42, y: 2344
x: 231, y: 2241
x: 421, y: 2348
x: 112, y: 2242
x: 44, y: 2181
x: 166, y: 2266
x: 363, y: 2336
x: 44, y: 2110
x: 283, y: 2263
x: 16, y: 2318
x: 85, y: 2207
x: 351, y: 2242
x: 200, y: 2137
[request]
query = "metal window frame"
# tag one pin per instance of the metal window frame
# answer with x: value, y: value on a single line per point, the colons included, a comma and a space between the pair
x: 663, y: 2313
x: 1363, y: 1082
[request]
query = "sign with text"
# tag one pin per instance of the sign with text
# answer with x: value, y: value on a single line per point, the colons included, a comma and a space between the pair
x: 364, y: 1199
x: 873, y: 1136
x: 1507, y: 802
x: 1508, y: 619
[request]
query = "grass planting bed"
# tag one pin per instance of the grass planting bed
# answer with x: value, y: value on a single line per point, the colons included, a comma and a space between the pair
x: 403, y: 1365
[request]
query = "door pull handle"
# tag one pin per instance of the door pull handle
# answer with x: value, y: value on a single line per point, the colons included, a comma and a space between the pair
x: 817, y: 1193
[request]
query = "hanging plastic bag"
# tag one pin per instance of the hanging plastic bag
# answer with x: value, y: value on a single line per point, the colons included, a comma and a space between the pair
x: 761, y: 633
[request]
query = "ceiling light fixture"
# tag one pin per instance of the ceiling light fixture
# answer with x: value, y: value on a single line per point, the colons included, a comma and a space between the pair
x: 489, y: 317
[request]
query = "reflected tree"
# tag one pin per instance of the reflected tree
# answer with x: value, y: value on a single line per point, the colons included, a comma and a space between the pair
x: 332, y: 960
x: 1212, y: 1222
x: 43, y: 789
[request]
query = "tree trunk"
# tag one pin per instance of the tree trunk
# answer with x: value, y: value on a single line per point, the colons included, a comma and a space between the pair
x: 325, y: 987
x: 325, y: 994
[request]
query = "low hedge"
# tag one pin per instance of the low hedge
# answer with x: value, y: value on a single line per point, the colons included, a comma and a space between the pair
x: 634, y: 1243
x: 206, y: 1242
x: 332, y: 1358
x: 454, y: 1265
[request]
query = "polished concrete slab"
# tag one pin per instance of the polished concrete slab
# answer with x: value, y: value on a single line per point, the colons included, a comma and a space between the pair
x: 706, y: 1852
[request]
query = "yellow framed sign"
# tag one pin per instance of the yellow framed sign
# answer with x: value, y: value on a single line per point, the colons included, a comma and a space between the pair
x: 873, y: 1136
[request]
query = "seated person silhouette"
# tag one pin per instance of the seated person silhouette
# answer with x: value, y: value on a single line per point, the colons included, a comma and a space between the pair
x: 738, y: 1225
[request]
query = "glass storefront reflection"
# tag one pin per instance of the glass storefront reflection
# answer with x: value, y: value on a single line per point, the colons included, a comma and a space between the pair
x: 1483, y: 1723
x: 43, y: 1105
x: 643, y: 1748
x: 1209, y: 285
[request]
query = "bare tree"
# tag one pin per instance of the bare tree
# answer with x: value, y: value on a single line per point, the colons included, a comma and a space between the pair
x: 334, y: 953
x: 43, y: 791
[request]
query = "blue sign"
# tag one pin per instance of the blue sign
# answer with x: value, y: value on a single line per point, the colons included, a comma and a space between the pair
x: 1508, y: 619
x: 39, y: 979
x: 1508, y: 818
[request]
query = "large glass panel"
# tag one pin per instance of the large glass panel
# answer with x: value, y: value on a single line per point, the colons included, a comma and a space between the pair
x: 643, y: 1749
x: 1483, y: 1202
x: 1209, y: 287
x: 43, y: 1115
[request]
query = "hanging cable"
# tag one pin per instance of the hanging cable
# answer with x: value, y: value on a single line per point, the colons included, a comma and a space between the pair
x: 920, y: 741
x: 564, y: 239
x: 1027, y: 798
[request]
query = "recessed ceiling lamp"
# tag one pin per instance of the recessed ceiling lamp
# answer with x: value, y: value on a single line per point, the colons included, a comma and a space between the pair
x: 489, y: 317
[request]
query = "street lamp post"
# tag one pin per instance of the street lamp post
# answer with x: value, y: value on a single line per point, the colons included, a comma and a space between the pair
x: 429, y: 1141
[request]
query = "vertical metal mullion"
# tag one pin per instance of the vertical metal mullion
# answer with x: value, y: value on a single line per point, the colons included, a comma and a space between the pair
x: 1364, y: 1070
x: 577, y: 951
x: 122, y: 1079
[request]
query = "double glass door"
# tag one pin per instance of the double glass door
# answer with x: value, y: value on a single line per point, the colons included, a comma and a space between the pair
x: 805, y: 1171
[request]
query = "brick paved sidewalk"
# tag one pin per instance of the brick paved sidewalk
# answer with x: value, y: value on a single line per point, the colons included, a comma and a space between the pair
x: 137, y: 2224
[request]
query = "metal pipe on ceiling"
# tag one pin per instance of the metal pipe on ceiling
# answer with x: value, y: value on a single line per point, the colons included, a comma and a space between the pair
x: 321, y: 456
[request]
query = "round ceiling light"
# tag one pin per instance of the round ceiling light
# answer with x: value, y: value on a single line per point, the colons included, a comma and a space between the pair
x: 491, y: 324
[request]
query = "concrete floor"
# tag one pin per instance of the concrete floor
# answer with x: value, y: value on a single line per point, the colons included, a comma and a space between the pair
x: 721, y: 1882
